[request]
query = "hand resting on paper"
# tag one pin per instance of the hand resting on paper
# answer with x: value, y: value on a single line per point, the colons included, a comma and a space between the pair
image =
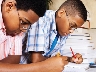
x: 77, y: 58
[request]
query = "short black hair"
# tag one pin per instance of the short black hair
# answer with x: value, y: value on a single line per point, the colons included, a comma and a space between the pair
x: 75, y: 7
x: 38, y: 6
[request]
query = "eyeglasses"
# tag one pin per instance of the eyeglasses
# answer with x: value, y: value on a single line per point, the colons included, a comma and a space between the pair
x: 72, y: 25
x: 24, y: 24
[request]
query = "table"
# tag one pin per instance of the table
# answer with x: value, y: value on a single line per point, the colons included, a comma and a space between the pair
x: 91, y: 70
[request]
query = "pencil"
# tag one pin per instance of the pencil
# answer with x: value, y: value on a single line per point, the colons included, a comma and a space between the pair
x: 72, y: 52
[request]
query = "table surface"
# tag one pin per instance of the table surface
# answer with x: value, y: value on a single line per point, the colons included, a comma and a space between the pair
x: 91, y: 70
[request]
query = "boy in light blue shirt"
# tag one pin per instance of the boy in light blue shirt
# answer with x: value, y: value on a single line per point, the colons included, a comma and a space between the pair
x: 70, y: 15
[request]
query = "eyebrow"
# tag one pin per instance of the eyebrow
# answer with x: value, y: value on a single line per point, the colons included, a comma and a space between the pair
x: 28, y: 21
x: 75, y: 25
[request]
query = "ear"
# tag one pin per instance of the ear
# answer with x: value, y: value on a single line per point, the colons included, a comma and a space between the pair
x: 61, y: 12
x: 10, y: 6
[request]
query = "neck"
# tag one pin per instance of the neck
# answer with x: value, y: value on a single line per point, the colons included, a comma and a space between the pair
x: 56, y: 20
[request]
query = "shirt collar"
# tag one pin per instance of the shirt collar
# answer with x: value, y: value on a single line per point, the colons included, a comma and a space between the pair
x: 54, y: 22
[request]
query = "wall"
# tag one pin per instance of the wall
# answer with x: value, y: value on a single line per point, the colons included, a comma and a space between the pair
x: 89, y: 4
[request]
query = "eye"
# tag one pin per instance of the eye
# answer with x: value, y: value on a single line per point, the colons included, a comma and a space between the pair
x: 23, y: 22
x: 73, y: 25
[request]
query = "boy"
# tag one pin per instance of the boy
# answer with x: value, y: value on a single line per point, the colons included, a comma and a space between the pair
x: 71, y: 15
x: 17, y: 16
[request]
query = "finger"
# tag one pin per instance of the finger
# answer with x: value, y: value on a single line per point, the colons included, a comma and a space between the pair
x: 66, y: 62
x: 64, y: 58
x: 77, y: 55
x: 80, y: 60
x: 73, y: 59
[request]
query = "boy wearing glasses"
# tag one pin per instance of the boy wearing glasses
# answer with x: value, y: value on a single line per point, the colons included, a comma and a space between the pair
x: 58, y: 24
x: 15, y: 18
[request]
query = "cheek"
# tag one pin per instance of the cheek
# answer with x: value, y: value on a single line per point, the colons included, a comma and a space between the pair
x: 64, y: 26
x: 11, y: 24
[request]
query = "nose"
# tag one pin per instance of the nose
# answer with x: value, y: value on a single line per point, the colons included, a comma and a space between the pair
x: 71, y: 31
x: 24, y: 28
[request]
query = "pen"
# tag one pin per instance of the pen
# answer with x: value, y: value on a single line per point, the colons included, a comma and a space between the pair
x: 72, y: 52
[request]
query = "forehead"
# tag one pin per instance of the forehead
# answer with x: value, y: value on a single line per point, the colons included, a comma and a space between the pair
x: 77, y: 20
x: 29, y: 15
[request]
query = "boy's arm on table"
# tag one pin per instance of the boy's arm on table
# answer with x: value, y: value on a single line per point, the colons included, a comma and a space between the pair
x: 13, y: 59
x: 37, y: 57
x: 53, y: 64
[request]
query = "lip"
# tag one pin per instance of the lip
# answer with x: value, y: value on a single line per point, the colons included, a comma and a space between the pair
x: 16, y: 33
x: 65, y: 34
x: 12, y: 33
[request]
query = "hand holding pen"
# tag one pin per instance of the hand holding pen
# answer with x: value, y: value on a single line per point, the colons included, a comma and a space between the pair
x: 76, y: 58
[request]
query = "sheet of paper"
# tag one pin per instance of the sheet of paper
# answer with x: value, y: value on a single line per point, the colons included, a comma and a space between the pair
x: 72, y: 67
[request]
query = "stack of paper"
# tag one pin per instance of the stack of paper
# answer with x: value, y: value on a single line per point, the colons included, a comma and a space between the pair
x: 81, y: 42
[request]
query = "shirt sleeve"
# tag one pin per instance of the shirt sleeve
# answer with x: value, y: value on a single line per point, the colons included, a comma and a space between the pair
x: 35, y: 41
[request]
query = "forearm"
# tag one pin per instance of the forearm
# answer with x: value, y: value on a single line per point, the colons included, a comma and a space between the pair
x: 12, y: 59
x: 35, y: 67
x: 37, y: 57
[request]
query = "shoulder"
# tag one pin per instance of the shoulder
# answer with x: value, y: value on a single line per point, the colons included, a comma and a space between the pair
x: 46, y: 19
x: 47, y: 16
x: 49, y: 13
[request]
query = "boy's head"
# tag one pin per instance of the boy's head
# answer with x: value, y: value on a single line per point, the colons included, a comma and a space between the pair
x: 71, y: 14
x: 19, y: 14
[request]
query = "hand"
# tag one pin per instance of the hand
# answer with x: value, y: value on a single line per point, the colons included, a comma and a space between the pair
x: 56, y: 64
x: 77, y: 59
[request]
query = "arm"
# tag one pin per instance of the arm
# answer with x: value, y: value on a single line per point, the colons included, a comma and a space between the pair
x: 36, y: 42
x: 53, y: 64
x: 37, y: 57
x: 20, y: 67
x: 13, y: 59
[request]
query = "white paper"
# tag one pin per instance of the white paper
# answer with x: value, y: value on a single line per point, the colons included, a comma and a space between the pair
x: 72, y: 67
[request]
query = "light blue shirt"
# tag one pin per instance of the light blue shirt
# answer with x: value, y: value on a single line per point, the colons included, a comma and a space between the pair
x: 42, y: 34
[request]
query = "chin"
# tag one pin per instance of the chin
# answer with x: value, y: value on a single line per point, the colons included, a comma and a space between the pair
x: 12, y: 34
x: 65, y: 34
x: 62, y: 34
x: 9, y: 34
